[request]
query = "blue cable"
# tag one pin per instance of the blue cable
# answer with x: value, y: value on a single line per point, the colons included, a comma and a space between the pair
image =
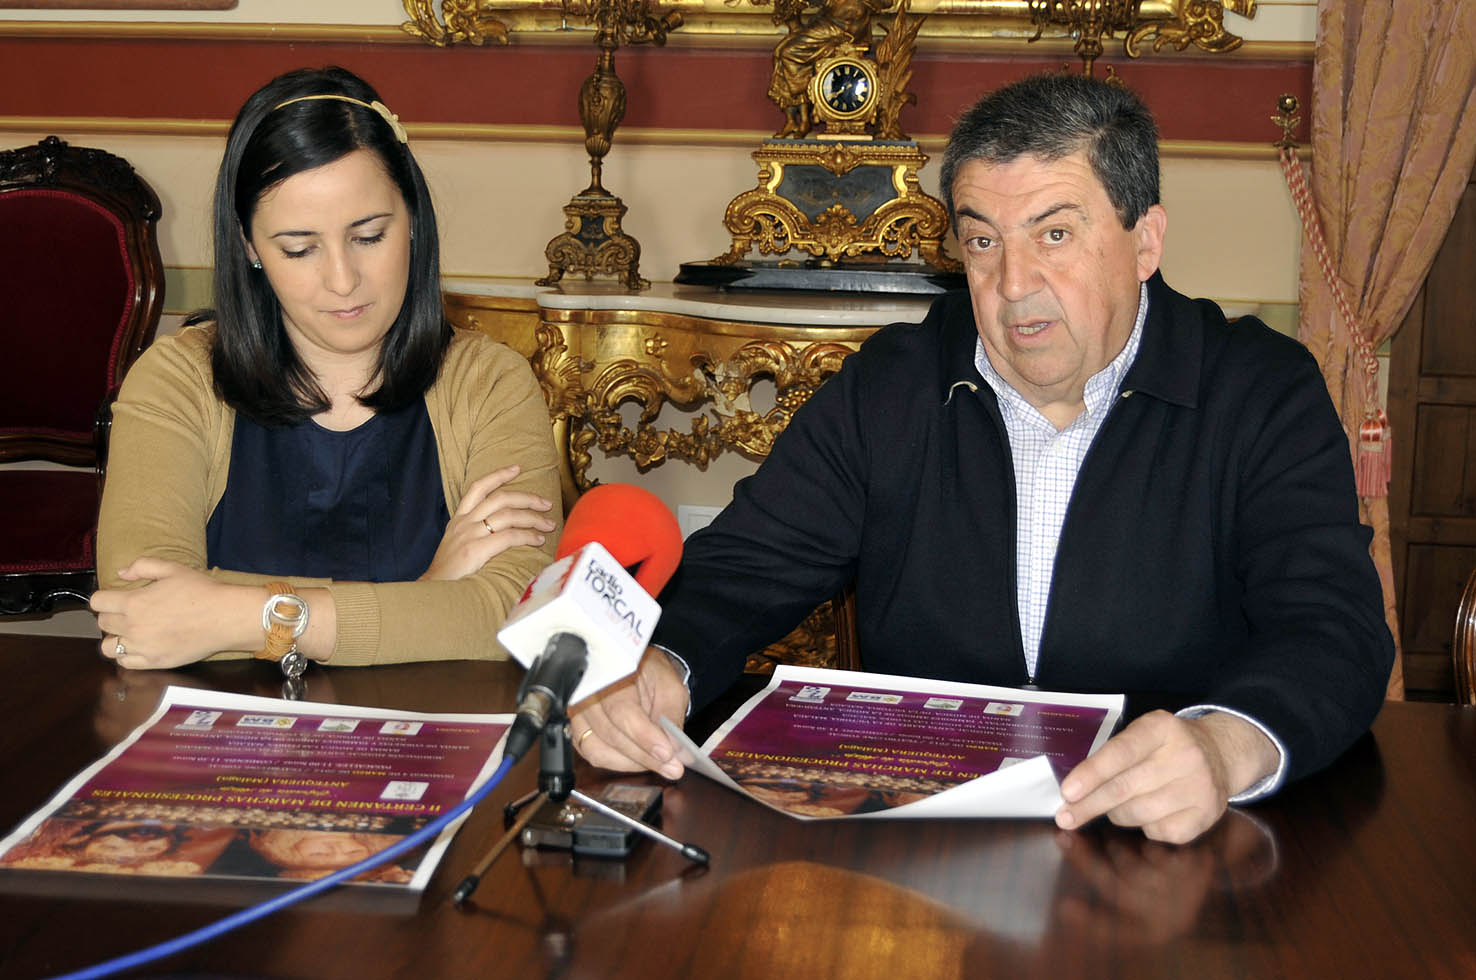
x: 264, y: 909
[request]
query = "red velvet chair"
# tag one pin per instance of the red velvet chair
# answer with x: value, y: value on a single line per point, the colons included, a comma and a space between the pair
x: 81, y: 286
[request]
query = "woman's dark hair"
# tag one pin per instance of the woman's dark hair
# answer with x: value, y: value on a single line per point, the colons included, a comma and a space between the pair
x: 257, y: 370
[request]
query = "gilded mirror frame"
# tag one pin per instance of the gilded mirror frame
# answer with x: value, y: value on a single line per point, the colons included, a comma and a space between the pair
x: 1142, y: 25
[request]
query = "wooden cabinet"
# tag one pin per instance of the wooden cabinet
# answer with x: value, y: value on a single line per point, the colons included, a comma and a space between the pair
x: 1432, y: 496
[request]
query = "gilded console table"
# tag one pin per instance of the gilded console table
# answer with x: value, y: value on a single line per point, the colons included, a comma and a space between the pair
x: 595, y: 348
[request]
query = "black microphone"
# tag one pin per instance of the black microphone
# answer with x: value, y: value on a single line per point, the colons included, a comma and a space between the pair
x: 597, y: 618
x: 583, y: 624
x: 546, y: 689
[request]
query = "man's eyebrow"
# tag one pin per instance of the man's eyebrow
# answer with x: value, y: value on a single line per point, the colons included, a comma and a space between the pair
x: 362, y: 221
x: 1054, y: 210
x: 964, y: 211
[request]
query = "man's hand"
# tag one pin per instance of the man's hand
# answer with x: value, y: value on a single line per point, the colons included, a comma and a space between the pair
x: 621, y: 728
x: 1171, y: 776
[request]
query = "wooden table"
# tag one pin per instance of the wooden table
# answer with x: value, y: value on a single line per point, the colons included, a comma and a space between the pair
x: 1367, y: 870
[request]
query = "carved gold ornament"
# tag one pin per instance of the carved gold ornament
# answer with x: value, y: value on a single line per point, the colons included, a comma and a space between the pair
x: 820, y: 64
x: 1286, y: 117
x: 1178, y: 23
x: 607, y: 374
x: 766, y: 218
x: 811, y: 644
x: 846, y: 195
x: 471, y: 21
x: 1153, y: 24
x: 585, y: 397
x: 593, y: 242
x: 1197, y: 22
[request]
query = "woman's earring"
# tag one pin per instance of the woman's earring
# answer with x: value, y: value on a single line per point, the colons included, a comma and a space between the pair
x: 256, y: 264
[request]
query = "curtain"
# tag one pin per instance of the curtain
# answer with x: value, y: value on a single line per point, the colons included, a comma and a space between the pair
x: 1393, y: 141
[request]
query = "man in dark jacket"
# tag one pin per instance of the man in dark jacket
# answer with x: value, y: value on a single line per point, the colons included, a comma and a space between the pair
x: 1069, y: 476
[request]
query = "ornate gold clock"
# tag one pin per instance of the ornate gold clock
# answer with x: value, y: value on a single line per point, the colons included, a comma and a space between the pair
x: 844, y: 93
x: 838, y: 205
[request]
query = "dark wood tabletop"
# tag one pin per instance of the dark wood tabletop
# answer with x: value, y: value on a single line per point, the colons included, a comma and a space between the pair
x: 1365, y: 870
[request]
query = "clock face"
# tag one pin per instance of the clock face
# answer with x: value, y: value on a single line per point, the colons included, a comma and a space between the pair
x: 846, y: 88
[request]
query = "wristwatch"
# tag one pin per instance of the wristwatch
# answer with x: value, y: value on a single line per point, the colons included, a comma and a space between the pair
x: 284, y: 618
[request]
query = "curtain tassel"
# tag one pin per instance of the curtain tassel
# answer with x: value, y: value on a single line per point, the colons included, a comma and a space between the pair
x: 1375, y: 455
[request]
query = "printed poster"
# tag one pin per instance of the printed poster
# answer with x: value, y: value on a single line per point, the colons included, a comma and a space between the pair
x: 219, y: 785
x: 819, y: 744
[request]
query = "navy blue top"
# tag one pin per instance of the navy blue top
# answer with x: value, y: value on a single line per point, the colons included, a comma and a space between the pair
x: 359, y: 506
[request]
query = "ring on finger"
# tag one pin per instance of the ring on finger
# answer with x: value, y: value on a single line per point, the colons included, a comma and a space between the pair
x: 579, y: 742
x: 118, y: 648
x: 487, y: 525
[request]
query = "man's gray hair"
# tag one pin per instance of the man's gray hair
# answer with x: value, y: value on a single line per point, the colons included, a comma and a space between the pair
x: 1053, y: 116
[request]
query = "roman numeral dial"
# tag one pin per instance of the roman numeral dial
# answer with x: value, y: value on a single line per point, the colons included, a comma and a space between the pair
x: 846, y: 87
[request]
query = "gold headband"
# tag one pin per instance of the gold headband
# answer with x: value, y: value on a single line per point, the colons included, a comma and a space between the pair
x: 376, y: 105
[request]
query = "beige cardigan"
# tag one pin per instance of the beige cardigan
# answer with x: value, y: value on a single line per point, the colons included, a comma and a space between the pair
x: 170, y: 455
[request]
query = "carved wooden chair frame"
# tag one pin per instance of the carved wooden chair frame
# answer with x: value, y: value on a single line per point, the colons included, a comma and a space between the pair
x: 110, y: 183
x: 1463, y: 644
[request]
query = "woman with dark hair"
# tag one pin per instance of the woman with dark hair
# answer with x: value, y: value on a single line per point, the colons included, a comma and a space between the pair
x: 321, y: 468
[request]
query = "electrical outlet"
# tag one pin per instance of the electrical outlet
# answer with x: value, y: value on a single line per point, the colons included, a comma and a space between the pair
x: 691, y: 518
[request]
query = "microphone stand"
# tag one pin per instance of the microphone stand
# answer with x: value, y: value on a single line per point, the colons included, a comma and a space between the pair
x: 556, y: 783
x: 556, y: 780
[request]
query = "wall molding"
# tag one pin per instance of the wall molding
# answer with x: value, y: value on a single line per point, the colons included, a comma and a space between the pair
x: 501, y: 133
x: 759, y: 34
x: 531, y: 87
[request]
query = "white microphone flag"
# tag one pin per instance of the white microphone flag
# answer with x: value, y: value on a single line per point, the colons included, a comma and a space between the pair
x: 589, y: 594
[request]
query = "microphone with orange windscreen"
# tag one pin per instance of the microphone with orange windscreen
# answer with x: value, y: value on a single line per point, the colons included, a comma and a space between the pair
x: 633, y: 525
x: 583, y: 624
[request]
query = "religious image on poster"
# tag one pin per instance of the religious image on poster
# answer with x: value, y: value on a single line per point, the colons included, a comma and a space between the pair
x: 218, y: 785
x: 826, y: 743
